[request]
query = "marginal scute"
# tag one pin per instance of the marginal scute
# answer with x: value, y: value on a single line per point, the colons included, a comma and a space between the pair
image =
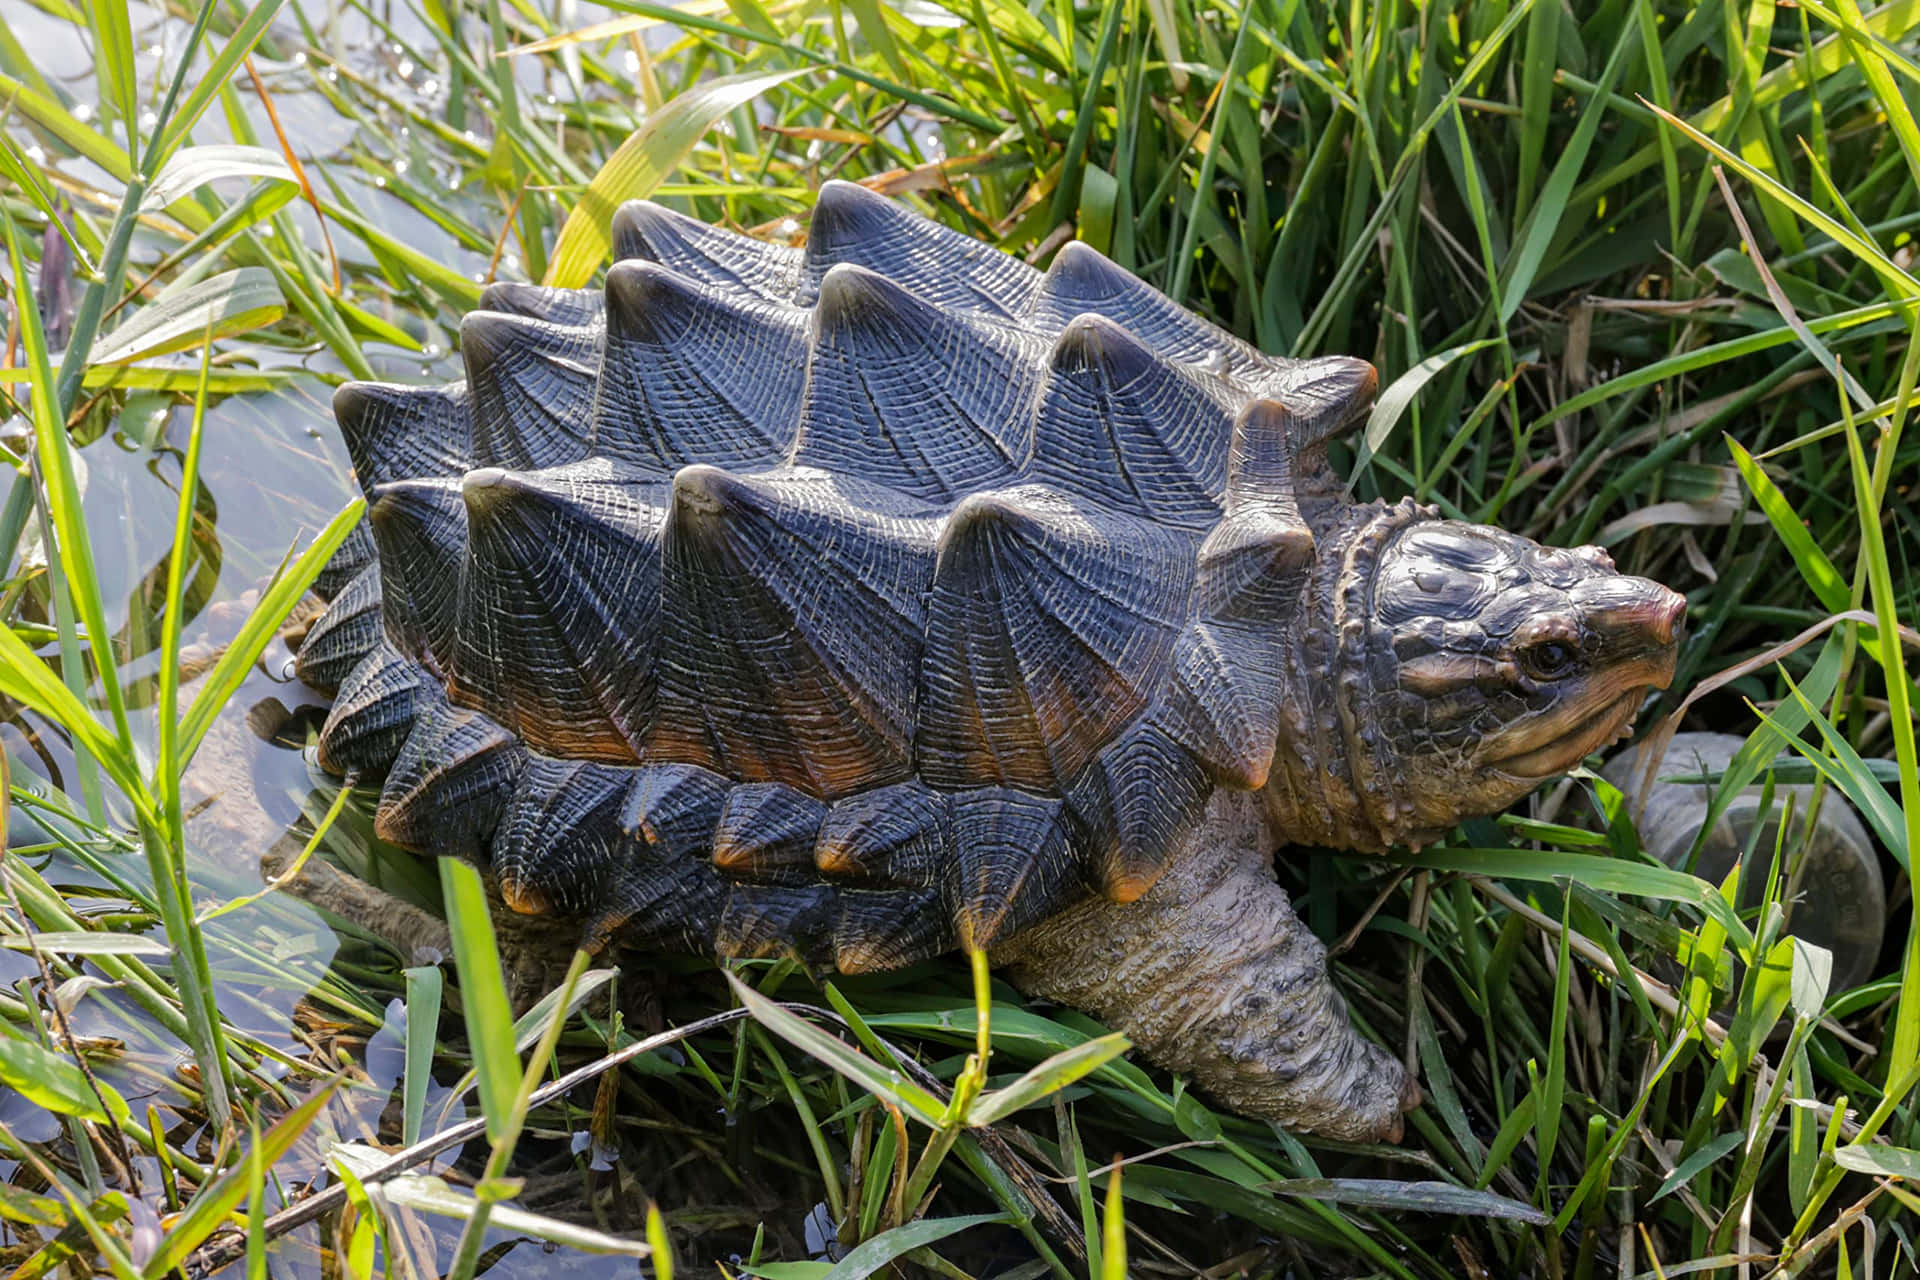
x: 1132, y: 805
x: 1012, y: 864
x: 420, y: 527
x: 347, y: 632
x: 792, y: 606
x: 668, y: 894
x: 674, y: 808
x: 951, y: 271
x: 692, y: 373
x: 764, y: 921
x: 559, y: 844
x: 890, y: 837
x: 373, y: 712
x: 450, y: 783
x: 766, y: 833
x: 888, y: 928
x: 558, y: 616
x: 644, y: 230
x: 531, y: 383
x: 396, y: 432
x: 355, y: 553
x: 1119, y: 424
x: 1048, y: 629
x: 930, y: 402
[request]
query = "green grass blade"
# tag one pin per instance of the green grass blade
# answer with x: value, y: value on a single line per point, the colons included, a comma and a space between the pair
x: 889, y: 1246
x: 113, y: 61
x: 642, y: 163
x: 483, y: 995
x: 232, y: 302
x: 275, y: 603
x: 423, y: 1025
x: 219, y: 70
x: 851, y: 1063
x: 1831, y: 589
x: 1051, y: 1076
x: 209, y: 1209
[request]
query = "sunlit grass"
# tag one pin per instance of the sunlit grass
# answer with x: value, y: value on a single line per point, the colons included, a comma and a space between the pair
x: 1637, y: 273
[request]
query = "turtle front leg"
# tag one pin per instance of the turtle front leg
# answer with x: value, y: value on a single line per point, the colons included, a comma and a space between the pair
x: 1212, y: 974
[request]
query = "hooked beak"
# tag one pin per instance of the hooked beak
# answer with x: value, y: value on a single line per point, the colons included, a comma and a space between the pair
x: 1637, y: 625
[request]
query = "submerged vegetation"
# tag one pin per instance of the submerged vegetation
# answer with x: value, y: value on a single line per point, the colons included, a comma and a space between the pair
x: 1634, y: 272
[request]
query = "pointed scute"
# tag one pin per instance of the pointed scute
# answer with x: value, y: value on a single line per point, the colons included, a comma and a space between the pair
x: 881, y: 929
x: 763, y: 921
x: 348, y: 631
x: 667, y: 893
x: 559, y: 847
x: 1048, y: 629
x: 951, y: 271
x: 395, y: 432
x: 1138, y: 433
x: 559, y: 605
x: 1223, y: 700
x: 373, y: 713
x: 644, y: 230
x: 420, y: 527
x: 693, y: 373
x: 1012, y: 864
x: 896, y: 837
x: 925, y: 400
x: 886, y: 856
x: 531, y: 384
x: 766, y: 834
x: 1133, y: 806
x: 354, y: 555
x: 792, y: 606
x: 1082, y: 280
x: 450, y: 784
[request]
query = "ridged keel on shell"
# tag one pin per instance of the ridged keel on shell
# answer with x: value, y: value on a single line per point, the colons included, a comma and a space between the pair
x: 690, y: 248
x: 951, y: 272
x: 696, y: 374
x: 531, y: 383
x: 1048, y: 628
x: 928, y: 402
x: 559, y: 605
x: 793, y: 620
x: 347, y: 632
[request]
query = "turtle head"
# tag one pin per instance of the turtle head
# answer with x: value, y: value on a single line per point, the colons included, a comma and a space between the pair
x: 1473, y: 663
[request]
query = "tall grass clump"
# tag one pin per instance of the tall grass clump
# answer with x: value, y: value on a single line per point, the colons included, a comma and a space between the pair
x: 1634, y: 272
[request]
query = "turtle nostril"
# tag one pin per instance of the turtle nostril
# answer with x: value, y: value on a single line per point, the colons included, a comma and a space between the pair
x: 1668, y: 617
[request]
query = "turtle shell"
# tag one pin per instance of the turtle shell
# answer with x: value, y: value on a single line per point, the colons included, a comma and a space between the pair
x: 860, y: 601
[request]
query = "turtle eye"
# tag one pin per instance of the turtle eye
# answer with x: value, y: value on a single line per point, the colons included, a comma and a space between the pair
x: 1548, y: 659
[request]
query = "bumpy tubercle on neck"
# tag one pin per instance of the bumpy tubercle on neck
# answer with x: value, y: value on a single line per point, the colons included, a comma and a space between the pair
x: 1335, y: 778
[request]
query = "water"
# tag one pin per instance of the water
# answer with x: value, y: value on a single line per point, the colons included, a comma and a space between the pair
x: 273, y: 473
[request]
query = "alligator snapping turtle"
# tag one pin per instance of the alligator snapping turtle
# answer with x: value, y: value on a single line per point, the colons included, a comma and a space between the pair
x: 890, y: 596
